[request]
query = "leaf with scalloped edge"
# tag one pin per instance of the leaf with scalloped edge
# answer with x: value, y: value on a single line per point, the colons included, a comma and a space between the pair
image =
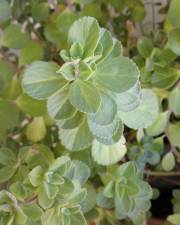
x: 116, y: 74
x: 77, y: 138
x: 106, y: 112
x: 145, y: 114
x: 84, y: 96
x: 108, y: 154
x: 85, y: 31
x: 59, y: 106
x: 130, y: 99
x: 41, y: 80
x: 108, y: 134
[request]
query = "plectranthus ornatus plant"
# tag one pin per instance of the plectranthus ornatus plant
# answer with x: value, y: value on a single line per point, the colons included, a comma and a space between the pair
x: 90, y: 97
x: 93, y: 93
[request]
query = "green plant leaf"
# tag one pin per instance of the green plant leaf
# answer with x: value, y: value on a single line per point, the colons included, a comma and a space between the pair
x: 174, y: 40
x: 162, y: 57
x: 174, y: 101
x: 116, y: 74
x: 108, y: 154
x: 20, y: 40
x: 173, y: 13
x: 84, y: 96
x: 145, y: 46
x: 174, y: 132
x: 158, y: 126
x: 145, y: 114
x: 33, y: 211
x: 81, y: 137
x: 6, y: 173
x: 164, y: 77
x: 79, y: 171
x: 32, y: 52
x: 40, y: 11
x: 50, y: 217
x: 7, y: 157
x: 5, y: 11
x: 41, y: 80
x: 128, y: 100
x: 36, y: 130
x: 106, y: 112
x: 9, y: 115
x: 31, y: 106
x: 106, y: 41
x: 90, y: 200
x: 59, y: 106
x: 36, y: 176
x: 71, y: 122
x: 108, y: 134
x: 44, y: 201
x: 174, y: 218
x: 81, y: 32
x: 168, y: 162
x: 6, y: 73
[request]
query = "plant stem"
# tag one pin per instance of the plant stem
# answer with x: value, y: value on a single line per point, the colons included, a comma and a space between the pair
x: 161, y: 173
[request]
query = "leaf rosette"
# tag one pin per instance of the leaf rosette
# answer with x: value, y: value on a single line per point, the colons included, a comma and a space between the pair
x: 85, y: 94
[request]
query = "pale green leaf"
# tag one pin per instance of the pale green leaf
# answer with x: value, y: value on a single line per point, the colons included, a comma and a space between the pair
x: 78, y: 138
x: 174, y: 219
x: 116, y: 51
x: 116, y: 74
x: 108, y: 154
x: 33, y: 211
x: 59, y: 106
x: 50, y: 217
x: 36, y: 176
x: 106, y: 112
x: 158, y: 126
x: 43, y: 199
x: 145, y: 114
x: 130, y: 99
x: 81, y: 32
x: 174, y: 101
x: 90, y: 200
x: 79, y: 171
x: 84, y: 96
x: 36, y: 130
x: 168, y: 162
x: 106, y: 41
x: 71, y: 122
x: 108, y: 134
x: 174, y: 134
x: 41, y: 80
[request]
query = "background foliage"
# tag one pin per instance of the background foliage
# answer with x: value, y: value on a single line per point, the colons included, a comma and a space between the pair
x: 89, y: 111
